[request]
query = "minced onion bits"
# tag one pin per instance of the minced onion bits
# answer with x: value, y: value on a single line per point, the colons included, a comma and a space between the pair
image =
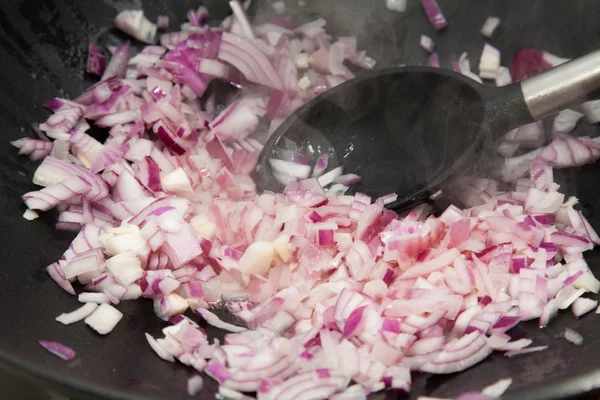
x: 335, y: 296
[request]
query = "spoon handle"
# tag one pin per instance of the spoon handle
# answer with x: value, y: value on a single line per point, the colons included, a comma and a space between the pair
x: 568, y: 84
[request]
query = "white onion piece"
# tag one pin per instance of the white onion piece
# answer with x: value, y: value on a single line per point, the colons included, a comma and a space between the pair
x: 77, y: 315
x: 125, y: 267
x: 396, y: 5
x: 194, y: 385
x: 104, y: 319
x: 497, y: 389
x: 98, y: 298
x: 176, y: 182
x: 427, y: 43
x: 489, y: 26
x: 503, y: 77
x: 591, y: 110
x: 573, y: 337
x: 528, y: 350
x: 588, y: 282
x: 489, y: 64
x: 30, y: 215
x: 279, y: 7
x: 257, y: 258
x: 213, y: 320
x: 465, y: 68
x: 135, y: 23
x: 158, y: 349
x: 567, y: 296
x: 242, y: 18
x: 293, y: 169
x: 328, y: 177
x: 583, y: 306
x: 170, y: 305
x: 566, y: 120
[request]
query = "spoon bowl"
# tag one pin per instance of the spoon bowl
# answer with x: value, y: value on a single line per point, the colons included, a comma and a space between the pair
x: 406, y: 130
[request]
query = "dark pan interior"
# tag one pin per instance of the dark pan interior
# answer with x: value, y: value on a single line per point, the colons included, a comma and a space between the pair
x: 43, y: 45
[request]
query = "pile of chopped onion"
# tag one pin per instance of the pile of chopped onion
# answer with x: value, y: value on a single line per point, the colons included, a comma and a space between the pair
x: 336, y: 296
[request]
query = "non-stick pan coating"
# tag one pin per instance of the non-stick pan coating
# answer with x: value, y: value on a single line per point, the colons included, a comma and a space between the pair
x: 43, y: 46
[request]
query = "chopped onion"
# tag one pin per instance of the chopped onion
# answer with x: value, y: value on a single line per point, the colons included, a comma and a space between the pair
x: 583, y: 306
x: 278, y: 7
x: 96, y: 61
x: 464, y: 67
x: 489, y: 63
x: 30, y: 215
x: 434, y: 14
x: 427, y: 44
x: 59, y: 350
x: 195, y: 384
x: 80, y: 314
x: 503, y: 77
x: 573, y: 337
x: 396, y: 5
x: 328, y: 288
x: 97, y: 298
x: 216, y: 322
x: 566, y: 121
x: 162, y: 22
x: 433, y: 61
x: 104, y: 319
x: 489, y: 26
x: 528, y: 350
x: 498, y: 388
x: 135, y: 23
x: 591, y: 110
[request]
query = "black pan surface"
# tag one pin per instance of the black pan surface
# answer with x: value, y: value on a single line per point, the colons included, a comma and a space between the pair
x: 43, y: 46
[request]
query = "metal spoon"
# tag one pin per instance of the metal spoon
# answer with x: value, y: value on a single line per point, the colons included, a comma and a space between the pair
x: 406, y: 130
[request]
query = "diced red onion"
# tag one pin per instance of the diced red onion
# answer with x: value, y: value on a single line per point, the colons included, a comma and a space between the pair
x: 347, y: 179
x: 328, y: 177
x: 213, y: 320
x: 118, y: 62
x: 527, y: 62
x: 162, y: 21
x: 332, y: 287
x: 96, y: 61
x: 320, y: 166
x: 433, y: 61
x: 59, y: 350
x: 36, y: 149
x: 135, y: 24
x: 434, y: 14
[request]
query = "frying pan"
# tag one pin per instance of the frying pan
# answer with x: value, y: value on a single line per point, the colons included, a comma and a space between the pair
x: 43, y: 46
